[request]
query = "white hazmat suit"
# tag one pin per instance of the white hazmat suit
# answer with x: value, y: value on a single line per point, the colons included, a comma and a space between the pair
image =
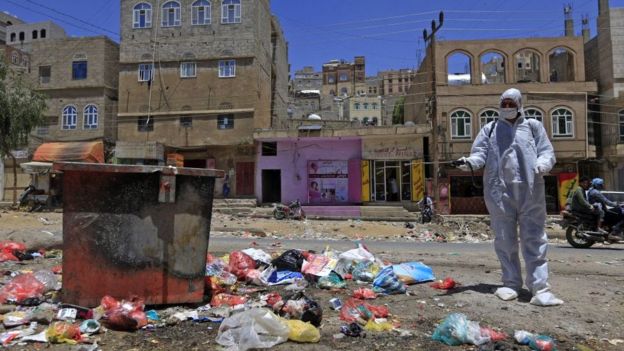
x: 515, y: 157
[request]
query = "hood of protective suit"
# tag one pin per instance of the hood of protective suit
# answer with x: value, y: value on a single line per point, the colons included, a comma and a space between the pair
x: 515, y: 95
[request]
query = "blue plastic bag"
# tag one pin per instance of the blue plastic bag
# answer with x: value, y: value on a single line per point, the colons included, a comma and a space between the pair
x: 284, y: 277
x: 457, y: 329
x: 332, y: 281
x: 388, y: 283
x: 413, y: 272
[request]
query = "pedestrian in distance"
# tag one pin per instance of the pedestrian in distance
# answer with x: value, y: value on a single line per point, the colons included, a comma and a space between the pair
x: 516, y: 153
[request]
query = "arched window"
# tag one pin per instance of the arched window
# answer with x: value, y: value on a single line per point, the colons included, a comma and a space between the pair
x: 533, y: 113
x: 141, y: 16
x: 90, y: 117
x: 621, y: 123
x: 42, y: 33
x: 527, y: 66
x: 562, y: 123
x: 231, y: 11
x: 492, y: 68
x: 22, y: 36
x: 171, y: 14
x: 201, y: 12
x: 344, y: 91
x: 35, y: 34
x: 343, y: 77
x: 374, y: 104
x: 561, y: 65
x: 375, y: 121
x: 13, y: 37
x: 356, y: 106
x: 366, y: 105
x: 365, y: 121
x: 461, y: 125
x: 488, y: 116
x: 458, y: 68
x: 69, y: 117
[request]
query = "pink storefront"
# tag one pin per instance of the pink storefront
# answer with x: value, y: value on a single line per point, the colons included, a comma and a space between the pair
x: 317, y: 171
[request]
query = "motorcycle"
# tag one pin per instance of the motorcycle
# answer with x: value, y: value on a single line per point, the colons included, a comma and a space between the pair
x: 426, y: 213
x: 292, y: 211
x: 582, y: 231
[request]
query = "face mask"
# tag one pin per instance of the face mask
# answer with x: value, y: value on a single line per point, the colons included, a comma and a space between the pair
x: 508, y: 113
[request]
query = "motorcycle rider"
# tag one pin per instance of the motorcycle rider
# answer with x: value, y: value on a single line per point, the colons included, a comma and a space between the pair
x: 579, y: 203
x: 426, y: 204
x: 601, y: 202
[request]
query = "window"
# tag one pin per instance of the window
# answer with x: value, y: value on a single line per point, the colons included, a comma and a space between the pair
x: 527, y: 66
x: 186, y: 122
x: 141, y: 16
x: 356, y: 106
x: 562, y: 126
x: 621, y: 115
x: 201, y: 12
x: 375, y: 121
x: 145, y: 124
x: 492, y: 68
x: 69, y: 117
x: 344, y: 91
x: 365, y: 121
x: 366, y: 105
x: 171, y: 14
x: 374, y: 105
x: 188, y: 70
x: 561, y: 63
x: 90, y: 117
x: 44, y: 74
x: 15, y: 58
x: 225, y: 122
x: 400, y: 89
x: 269, y: 149
x: 79, y: 70
x: 231, y: 11
x: 534, y: 114
x: 332, y: 92
x: 145, y: 72
x: 227, y: 68
x: 43, y: 33
x: 458, y: 69
x: 331, y: 79
x: 343, y: 77
x: 35, y: 34
x: 22, y: 36
x: 461, y: 125
x: 487, y: 116
x: 13, y: 37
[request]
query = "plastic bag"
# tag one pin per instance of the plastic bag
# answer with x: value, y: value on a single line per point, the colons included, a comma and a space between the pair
x: 494, y: 334
x: 22, y: 288
x: 227, y: 300
x: 332, y: 281
x: 271, y: 299
x: 535, y: 342
x: 388, y: 283
x: 61, y: 332
x: 291, y: 260
x: 358, y: 255
x: 378, y: 326
x: 300, y: 307
x: 15, y: 318
x: 446, y: 284
x: 302, y: 331
x: 456, y: 330
x: 353, y: 330
x: 240, y: 264
x: 353, y: 310
x: 283, y: 277
x: 364, y: 294
x: 318, y: 265
x: 251, y: 329
x: 8, y: 250
x: 124, y: 315
x: 413, y: 272
x: 258, y: 255
x: 48, y: 279
x: 365, y: 271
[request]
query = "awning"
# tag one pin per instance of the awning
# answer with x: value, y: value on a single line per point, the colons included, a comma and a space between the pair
x: 92, y: 152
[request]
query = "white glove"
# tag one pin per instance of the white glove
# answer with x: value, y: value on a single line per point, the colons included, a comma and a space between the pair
x: 541, y: 169
x: 465, y: 167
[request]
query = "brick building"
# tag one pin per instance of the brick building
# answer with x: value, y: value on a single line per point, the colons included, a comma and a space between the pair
x: 200, y: 77
x: 342, y: 78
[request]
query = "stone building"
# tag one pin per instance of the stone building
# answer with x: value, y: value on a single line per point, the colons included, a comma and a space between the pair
x: 463, y: 95
x: 7, y: 20
x: 364, y: 110
x: 342, y: 78
x: 305, y: 93
x: 199, y: 77
x: 604, y: 62
x: 23, y: 35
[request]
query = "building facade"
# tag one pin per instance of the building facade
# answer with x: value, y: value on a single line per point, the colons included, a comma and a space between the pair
x: 463, y: 95
x: 7, y: 20
x: 343, y: 78
x: 200, y: 77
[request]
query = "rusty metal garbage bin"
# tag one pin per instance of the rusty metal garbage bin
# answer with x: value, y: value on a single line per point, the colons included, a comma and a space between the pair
x: 135, y: 230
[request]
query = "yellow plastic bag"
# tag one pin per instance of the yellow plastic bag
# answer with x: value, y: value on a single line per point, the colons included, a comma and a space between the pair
x: 61, y: 332
x: 302, y: 331
x: 378, y: 326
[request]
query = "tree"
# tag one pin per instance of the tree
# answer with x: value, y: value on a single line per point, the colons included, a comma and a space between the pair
x: 21, y: 110
x: 398, y: 115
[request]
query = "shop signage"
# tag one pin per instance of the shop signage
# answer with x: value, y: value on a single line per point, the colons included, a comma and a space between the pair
x: 402, y: 149
x: 328, y: 182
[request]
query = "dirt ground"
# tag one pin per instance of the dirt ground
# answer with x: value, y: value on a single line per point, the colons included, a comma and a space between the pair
x: 590, y: 281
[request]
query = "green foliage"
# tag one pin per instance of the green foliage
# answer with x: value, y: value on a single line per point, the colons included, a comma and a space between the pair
x: 398, y: 115
x: 21, y: 110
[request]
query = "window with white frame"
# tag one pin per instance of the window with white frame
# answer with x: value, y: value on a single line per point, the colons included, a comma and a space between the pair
x: 225, y: 121
x: 201, y: 12
x: 188, y: 70
x: 343, y: 77
x: 621, y: 122
x: 562, y: 123
x: 231, y: 11
x: 365, y: 105
x: 141, y: 16
x: 90, y: 117
x: 356, y: 105
x: 145, y: 72
x: 533, y: 113
x: 227, y: 68
x: 374, y: 105
x: 461, y: 125
x: 70, y: 117
x: 488, y: 116
x: 171, y: 14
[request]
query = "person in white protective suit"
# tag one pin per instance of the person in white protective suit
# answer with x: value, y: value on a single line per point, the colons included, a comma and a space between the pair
x: 516, y: 153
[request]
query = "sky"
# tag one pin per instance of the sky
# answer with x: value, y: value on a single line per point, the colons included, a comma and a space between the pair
x: 388, y: 33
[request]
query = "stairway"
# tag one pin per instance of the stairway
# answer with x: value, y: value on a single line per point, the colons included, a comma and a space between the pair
x: 236, y: 207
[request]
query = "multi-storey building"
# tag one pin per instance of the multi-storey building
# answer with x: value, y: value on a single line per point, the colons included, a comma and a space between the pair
x: 342, y: 78
x: 199, y: 77
x: 462, y: 95
x: 7, y: 20
x: 305, y: 93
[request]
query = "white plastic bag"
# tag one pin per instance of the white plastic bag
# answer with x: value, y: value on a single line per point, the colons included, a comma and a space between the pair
x: 257, y: 328
x: 360, y: 254
x: 258, y: 255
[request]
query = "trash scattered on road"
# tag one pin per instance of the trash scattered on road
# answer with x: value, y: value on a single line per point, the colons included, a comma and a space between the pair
x: 251, y: 329
x: 457, y: 329
x: 446, y: 284
x: 535, y: 342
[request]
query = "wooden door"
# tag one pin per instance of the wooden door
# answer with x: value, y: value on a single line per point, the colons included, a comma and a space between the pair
x: 245, y: 178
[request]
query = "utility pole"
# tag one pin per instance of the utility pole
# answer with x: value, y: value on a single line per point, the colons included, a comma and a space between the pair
x: 435, y: 27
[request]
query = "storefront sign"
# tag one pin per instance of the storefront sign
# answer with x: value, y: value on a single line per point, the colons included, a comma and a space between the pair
x: 366, y: 186
x: 397, y: 149
x: 328, y: 182
x: 418, y: 180
x: 567, y: 183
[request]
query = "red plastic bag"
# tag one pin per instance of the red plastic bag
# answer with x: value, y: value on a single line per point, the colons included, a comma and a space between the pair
x: 364, y: 294
x: 22, y: 287
x: 446, y: 284
x: 57, y: 269
x: 240, y: 264
x: 124, y: 315
x: 213, y: 286
x: 354, y: 309
x: 227, y: 299
x: 62, y: 332
x: 272, y: 298
x: 493, y: 334
x: 8, y: 249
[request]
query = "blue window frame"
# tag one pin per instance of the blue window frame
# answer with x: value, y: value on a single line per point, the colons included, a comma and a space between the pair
x: 90, y: 117
x: 70, y: 117
x: 201, y: 12
x: 231, y: 11
x: 141, y: 16
x: 79, y: 70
